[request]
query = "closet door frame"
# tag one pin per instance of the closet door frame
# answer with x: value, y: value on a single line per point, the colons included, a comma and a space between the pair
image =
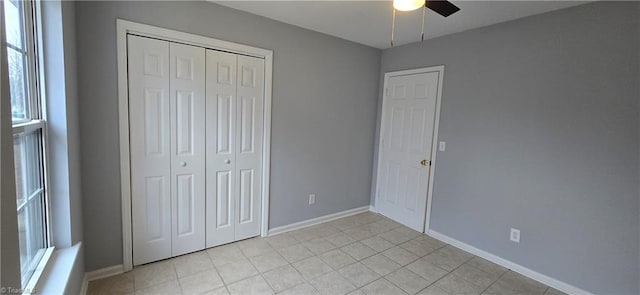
x: 125, y: 28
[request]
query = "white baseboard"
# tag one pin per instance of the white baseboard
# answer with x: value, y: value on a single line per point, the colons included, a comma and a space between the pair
x: 317, y: 220
x: 99, y: 274
x: 549, y: 281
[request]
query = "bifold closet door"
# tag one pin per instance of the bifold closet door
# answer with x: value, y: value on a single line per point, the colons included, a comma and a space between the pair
x: 187, y: 67
x: 221, y: 143
x: 150, y: 140
x: 235, y: 89
x: 166, y: 113
x: 249, y: 144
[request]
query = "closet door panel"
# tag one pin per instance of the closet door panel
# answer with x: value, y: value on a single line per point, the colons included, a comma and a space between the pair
x: 150, y: 148
x: 246, y: 196
x: 249, y: 139
x: 187, y: 86
x: 221, y: 147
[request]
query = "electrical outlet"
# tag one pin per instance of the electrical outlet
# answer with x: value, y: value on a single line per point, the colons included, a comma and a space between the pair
x: 515, y: 235
x: 312, y: 199
x: 442, y: 146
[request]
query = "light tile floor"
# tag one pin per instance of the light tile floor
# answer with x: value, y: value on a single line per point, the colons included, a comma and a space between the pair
x: 361, y: 254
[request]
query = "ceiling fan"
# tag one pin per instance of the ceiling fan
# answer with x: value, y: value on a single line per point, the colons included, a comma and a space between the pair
x: 442, y: 7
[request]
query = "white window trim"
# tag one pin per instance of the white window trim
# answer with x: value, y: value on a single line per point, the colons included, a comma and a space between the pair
x: 24, y: 127
x: 127, y: 27
x: 60, y: 262
x: 39, y: 70
x: 32, y: 54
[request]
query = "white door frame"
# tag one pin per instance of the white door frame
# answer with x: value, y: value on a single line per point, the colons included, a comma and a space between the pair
x: 127, y: 27
x: 434, y: 145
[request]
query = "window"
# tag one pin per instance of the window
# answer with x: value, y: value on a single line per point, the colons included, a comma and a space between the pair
x: 28, y: 134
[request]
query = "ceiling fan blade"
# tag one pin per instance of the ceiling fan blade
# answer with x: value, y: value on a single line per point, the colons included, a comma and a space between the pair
x: 444, y: 8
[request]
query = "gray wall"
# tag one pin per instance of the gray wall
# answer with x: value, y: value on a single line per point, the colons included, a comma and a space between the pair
x: 323, y: 121
x: 541, y: 120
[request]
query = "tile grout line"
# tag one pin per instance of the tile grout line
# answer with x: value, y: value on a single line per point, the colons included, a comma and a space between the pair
x: 360, y: 229
x: 493, y: 283
x: 173, y: 264
x: 432, y: 283
x: 217, y: 272
x: 435, y: 281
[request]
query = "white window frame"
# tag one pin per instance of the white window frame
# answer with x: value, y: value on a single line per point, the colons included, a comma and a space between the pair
x: 30, y: 42
x: 35, y: 122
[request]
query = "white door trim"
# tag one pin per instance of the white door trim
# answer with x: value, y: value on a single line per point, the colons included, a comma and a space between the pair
x: 127, y: 27
x: 436, y: 125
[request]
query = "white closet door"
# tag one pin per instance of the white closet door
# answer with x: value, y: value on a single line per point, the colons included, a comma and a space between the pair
x: 249, y: 138
x: 187, y: 148
x: 150, y: 148
x: 220, y: 134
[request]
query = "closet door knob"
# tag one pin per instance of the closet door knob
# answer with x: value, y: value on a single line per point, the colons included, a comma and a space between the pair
x: 227, y: 161
x: 183, y: 164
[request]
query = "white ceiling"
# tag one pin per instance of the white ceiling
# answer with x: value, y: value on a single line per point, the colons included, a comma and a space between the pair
x: 369, y: 22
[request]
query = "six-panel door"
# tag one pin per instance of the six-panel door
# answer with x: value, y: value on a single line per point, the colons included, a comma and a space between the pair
x: 408, y: 120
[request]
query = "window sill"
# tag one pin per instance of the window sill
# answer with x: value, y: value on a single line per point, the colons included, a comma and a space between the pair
x: 52, y: 276
x: 37, y: 273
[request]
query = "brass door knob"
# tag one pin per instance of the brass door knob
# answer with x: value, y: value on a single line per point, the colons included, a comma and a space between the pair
x: 425, y: 162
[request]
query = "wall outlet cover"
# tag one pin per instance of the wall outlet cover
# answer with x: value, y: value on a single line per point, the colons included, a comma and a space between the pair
x: 312, y: 199
x: 442, y: 146
x: 515, y: 235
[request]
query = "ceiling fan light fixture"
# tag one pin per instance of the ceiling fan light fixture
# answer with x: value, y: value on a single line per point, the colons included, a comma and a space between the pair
x: 408, y: 5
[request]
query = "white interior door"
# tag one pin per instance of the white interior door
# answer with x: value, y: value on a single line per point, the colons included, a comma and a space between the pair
x: 249, y: 139
x: 187, y: 86
x: 406, y: 141
x: 221, y: 147
x: 150, y: 142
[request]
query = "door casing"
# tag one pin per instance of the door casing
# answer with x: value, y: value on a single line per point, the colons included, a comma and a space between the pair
x: 127, y: 27
x: 432, y: 167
